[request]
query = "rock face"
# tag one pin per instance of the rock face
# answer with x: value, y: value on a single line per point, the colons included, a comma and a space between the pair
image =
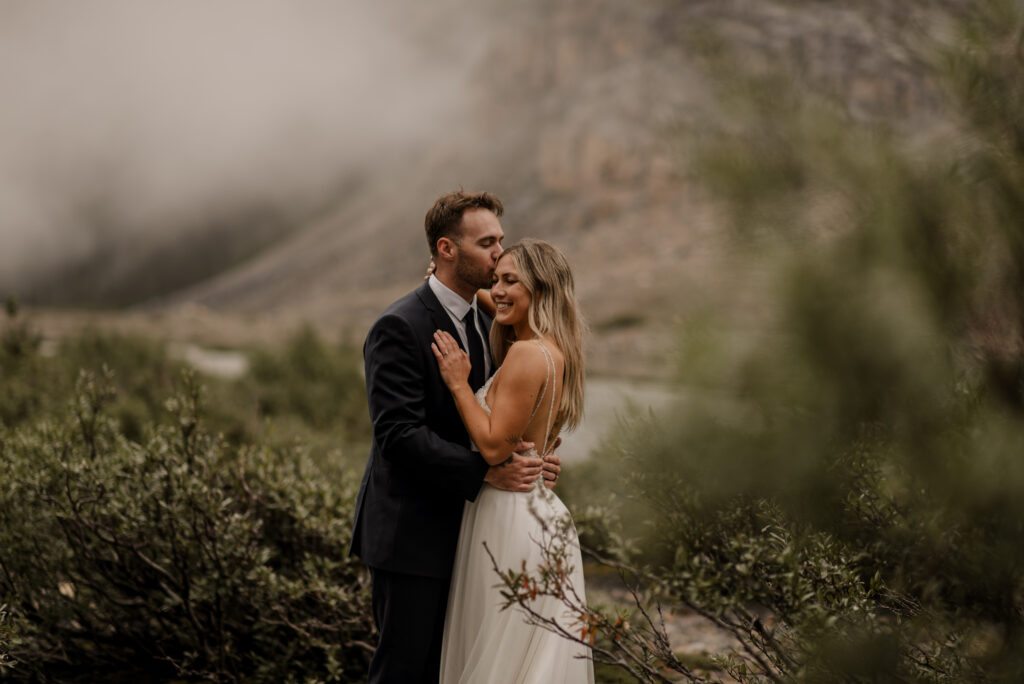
x: 579, y: 118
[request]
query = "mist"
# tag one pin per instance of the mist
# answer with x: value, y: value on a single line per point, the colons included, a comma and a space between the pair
x: 129, y: 125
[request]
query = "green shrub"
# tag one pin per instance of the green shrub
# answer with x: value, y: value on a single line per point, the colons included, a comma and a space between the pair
x: 310, y: 391
x: 38, y: 385
x: 6, y: 637
x: 179, y: 556
x: 312, y: 379
x: 314, y: 388
x: 843, y: 489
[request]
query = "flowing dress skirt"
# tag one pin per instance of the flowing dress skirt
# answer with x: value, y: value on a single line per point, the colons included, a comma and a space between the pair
x: 484, y: 644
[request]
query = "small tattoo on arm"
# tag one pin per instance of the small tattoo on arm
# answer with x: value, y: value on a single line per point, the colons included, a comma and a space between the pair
x: 513, y: 440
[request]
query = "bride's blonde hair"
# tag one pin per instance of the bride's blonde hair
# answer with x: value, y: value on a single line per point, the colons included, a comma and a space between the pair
x: 545, y: 273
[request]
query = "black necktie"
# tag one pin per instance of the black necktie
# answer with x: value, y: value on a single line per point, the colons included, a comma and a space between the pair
x: 476, y: 351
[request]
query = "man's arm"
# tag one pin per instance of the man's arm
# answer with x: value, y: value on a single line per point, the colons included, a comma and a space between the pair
x: 395, y: 389
x: 518, y: 473
x: 395, y: 384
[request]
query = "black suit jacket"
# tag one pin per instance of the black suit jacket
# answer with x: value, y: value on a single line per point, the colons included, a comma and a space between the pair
x: 421, y: 469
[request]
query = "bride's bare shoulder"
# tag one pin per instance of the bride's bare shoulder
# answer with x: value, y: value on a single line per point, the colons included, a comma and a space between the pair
x: 524, y: 351
x: 525, y: 359
x: 526, y: 356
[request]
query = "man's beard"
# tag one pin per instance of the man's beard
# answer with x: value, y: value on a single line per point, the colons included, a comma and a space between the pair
x: 472, y: 276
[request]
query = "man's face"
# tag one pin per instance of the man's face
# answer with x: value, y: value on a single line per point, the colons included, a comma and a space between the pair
x: 478, y: 248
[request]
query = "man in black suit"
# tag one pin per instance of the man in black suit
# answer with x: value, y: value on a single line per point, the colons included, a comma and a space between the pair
x: 422, y: 466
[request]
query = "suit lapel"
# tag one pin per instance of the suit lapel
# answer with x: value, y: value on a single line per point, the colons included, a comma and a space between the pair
x: 438, y: 314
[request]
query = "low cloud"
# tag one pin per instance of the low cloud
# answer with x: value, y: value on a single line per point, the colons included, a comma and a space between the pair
x: 125, y: 117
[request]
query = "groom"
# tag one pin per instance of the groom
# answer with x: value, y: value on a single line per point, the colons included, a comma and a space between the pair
x: 422, y: 466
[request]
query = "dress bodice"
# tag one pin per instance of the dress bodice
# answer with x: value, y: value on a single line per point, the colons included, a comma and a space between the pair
x: 481, y: 394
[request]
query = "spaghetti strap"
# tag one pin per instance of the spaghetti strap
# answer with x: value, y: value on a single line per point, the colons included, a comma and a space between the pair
x: 550, y: 363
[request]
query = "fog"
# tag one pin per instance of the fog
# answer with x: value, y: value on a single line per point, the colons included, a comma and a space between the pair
x: 120, y: 119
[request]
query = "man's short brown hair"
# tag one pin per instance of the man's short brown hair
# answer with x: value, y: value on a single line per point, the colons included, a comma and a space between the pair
x: 443, y: 218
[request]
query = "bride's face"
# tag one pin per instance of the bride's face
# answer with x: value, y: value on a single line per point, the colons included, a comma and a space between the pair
x: 511, y: 298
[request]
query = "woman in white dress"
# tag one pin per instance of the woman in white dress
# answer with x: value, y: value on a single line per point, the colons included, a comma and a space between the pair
x: 536, y: 339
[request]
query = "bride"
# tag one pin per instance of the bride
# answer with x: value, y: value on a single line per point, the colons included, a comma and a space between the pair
x: 538, y: 390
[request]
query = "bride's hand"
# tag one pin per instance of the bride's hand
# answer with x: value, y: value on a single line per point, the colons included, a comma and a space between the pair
x: 552, y: 465
x: 452, y: 361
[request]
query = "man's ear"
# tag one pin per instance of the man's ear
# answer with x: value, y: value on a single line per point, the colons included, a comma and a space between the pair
x: 446, y: 249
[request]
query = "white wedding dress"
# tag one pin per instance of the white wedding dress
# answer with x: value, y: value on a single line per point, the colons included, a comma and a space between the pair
x: 484, y: 644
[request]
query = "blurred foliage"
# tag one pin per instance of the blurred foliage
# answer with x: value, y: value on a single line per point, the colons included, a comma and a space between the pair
x: 842, y: 486
x: 178, y: 538
x: 316, y: 390
x: 6, y: 637
x: 307, y: 391
x: 177, y: 556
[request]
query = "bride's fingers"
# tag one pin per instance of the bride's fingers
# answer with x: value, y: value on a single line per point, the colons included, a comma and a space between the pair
x: 446, y: 343
x: 441, y: 343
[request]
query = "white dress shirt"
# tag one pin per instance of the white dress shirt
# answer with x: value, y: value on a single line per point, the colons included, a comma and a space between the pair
x: 457, y: 307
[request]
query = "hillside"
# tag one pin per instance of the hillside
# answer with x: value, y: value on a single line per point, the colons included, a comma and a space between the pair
x: 582, y: 117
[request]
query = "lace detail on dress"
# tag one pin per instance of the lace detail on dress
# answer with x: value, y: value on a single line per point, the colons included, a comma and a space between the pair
x: 481, y: 394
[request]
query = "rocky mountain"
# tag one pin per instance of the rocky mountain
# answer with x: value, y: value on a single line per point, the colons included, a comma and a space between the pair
x: 582, y: 115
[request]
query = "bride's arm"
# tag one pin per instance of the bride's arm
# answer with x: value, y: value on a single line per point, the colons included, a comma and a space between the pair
x: 522, y: 374
x: 485, y: 302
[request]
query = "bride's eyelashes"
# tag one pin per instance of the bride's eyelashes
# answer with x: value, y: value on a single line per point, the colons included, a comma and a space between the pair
x: 507, y: 281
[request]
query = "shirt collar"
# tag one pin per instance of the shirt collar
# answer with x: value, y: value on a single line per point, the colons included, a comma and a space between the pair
x: 450, y: 300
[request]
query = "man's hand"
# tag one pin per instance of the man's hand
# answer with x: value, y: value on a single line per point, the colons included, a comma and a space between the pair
x: 519, y: 472
x: 552, y: 465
